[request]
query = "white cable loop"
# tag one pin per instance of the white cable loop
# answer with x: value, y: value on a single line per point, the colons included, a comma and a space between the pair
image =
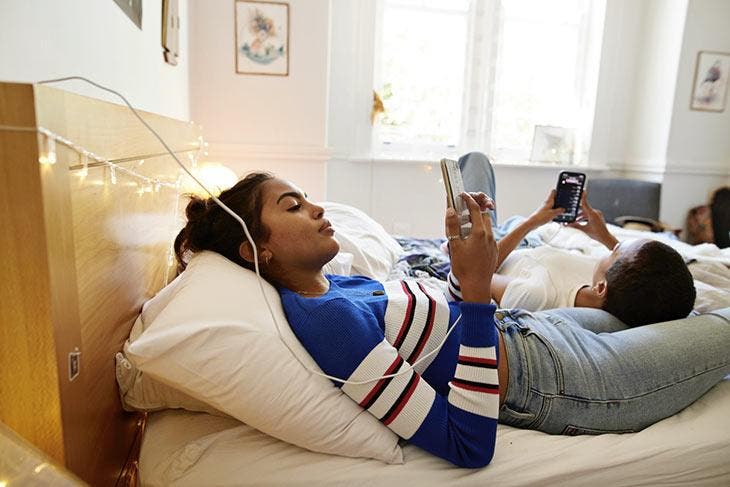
x: 407, y: 369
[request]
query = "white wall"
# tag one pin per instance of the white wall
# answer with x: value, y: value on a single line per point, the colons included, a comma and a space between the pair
x: 658, y: 50
x: 700, y: 137
x: 408, y: 198
x: 616, y: 82
x: 254, y: 122
x: 698, y: 153
x: 95, y: 39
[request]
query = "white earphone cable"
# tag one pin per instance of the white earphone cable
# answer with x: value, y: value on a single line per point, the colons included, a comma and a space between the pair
x: 405, y: 370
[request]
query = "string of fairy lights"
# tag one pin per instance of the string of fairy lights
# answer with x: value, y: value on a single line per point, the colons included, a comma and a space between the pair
x: 47, y: 145
x: 48, y: 142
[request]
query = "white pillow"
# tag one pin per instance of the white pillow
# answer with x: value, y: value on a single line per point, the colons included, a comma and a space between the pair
x: 210, y: 335
x: 374, y: 251
x: 140, y: 392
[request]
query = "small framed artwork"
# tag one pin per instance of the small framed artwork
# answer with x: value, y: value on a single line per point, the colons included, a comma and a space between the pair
x: 133, y: 9
x: 552, y: 144
x: 262, y: 37
x: 709, y: 92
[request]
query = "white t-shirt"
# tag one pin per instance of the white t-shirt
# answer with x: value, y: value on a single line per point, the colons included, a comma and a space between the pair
x: 545, y: 278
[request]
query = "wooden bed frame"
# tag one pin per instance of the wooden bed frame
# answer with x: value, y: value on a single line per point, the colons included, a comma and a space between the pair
x: 80, y: 255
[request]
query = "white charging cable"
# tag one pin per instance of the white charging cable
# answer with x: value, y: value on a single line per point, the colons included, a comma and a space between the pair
x: 253, y: 246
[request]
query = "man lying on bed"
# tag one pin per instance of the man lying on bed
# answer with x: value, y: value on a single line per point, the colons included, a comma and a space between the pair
x: 444, y: 392
x: 640, y: 281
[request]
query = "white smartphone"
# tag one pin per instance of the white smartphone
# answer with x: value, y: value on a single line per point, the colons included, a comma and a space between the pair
x: 454, y: 187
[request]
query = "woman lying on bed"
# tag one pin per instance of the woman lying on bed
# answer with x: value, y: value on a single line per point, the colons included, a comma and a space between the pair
x: 506, y: 364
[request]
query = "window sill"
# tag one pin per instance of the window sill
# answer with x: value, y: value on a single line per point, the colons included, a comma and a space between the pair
x: 401, y: 160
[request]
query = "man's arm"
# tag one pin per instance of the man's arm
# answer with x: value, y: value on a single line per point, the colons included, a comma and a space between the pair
x: 541, y: 216
x: 499, y: 285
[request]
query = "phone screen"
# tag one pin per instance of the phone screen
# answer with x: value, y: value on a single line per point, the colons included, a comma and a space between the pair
x: 569, y: 191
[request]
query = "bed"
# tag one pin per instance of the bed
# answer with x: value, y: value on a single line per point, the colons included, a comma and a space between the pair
x: 93, y: 245
x: 690, y: 448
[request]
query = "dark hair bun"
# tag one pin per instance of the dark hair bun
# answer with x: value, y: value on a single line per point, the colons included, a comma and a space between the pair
x: 211, y: 228
x: 197, y: 209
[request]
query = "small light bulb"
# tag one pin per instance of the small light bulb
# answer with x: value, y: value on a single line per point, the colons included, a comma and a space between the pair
x: 42, y: 150
x: 51, y: 150
x: 85, y: 164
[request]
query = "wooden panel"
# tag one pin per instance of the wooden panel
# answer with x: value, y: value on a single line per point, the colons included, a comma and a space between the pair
x: 121, y: 236
x: 30, y: 401
x: 108, y: 129
x: 102, y: 250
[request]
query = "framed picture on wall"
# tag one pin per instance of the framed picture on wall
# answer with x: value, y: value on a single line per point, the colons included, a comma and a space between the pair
x: 553, y: 144
x: 262, y: 37
x: 709, y: 92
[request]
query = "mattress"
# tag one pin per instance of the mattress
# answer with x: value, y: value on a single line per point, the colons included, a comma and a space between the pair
x: 181, y: 448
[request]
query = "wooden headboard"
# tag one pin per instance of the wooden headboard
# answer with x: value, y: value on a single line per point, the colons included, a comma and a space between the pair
x: 81, y: 250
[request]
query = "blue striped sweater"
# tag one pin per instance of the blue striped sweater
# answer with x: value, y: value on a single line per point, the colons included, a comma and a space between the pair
x: 449, y: 404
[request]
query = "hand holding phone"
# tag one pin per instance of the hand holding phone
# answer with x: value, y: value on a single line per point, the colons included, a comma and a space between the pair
x: 569, y: 192
x: 454, y: 187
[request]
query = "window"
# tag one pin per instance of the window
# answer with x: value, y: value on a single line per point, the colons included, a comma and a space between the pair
x: 481, y: 74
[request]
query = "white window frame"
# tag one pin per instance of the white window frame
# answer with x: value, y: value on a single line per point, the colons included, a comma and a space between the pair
x: 485, y: 22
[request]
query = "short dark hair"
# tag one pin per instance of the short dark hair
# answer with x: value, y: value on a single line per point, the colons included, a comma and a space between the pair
x: 210, y: 227
x: 650, y: 286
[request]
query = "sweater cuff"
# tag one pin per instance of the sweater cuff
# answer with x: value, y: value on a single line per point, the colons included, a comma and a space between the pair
x: 477, y: 327
x: 454, y: 287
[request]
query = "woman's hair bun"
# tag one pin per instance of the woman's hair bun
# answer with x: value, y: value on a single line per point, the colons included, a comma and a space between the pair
x: 197, y: 209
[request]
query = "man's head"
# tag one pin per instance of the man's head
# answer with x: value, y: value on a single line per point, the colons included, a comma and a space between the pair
x: 644, y: 281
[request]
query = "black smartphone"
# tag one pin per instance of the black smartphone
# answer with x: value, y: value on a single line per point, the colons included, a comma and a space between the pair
x: 569, y: 191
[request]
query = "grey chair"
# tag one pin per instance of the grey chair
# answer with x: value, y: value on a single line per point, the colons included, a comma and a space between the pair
x: 624, y: 197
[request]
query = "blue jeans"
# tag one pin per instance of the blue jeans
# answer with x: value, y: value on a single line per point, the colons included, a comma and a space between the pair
x: 581, y: 371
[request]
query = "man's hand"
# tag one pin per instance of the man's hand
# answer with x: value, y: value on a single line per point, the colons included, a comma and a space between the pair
x: 591, y: 222
x: 545, y: 213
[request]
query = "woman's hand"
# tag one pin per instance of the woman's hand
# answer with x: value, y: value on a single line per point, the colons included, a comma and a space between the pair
x: 473, y: 260
x: 591, y: 222
x: 485, y: 202
x: 545, y: 213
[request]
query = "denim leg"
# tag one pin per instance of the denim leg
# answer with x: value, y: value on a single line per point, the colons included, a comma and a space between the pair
x: 478, y: 175
x: 565, y: 379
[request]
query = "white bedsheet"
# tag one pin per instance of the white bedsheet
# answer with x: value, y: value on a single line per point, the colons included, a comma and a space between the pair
x: 691, y: 448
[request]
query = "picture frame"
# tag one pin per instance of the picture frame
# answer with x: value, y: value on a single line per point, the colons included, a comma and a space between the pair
x: 553, y: 144
x: 710, y: 86
x: 262, y: 37
x: 133, y: 10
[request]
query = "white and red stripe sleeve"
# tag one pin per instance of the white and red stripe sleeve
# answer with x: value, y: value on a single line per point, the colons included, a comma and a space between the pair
x: 454, y: 287
x: 475, y: 386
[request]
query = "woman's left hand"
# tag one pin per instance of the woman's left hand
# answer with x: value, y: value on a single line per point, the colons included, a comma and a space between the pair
x: 483, y: 200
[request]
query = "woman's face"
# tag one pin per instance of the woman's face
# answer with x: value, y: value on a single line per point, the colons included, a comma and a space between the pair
x: 299, y: 235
